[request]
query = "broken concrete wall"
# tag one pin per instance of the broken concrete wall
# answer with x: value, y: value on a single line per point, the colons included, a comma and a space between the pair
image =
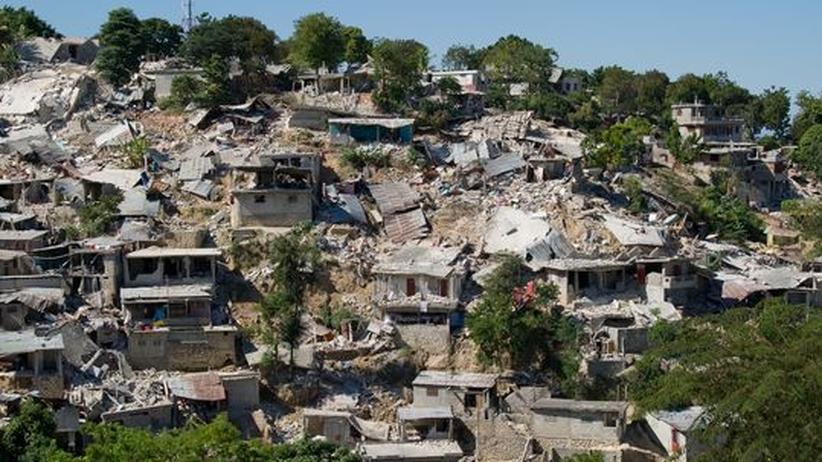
x: 155, y: 417
x: 271, y: 208
x: 430, y: 338
x: 183, y: 350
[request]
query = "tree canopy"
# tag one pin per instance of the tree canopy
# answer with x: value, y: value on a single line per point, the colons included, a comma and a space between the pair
x: 25, y: 23
x: 318, y: 41
x: 30, y: 437
x: 757, y: 373
x: 357, y: 45
x: 462, y: 57
x: 121, y: 46
x: 244, y: 38
x: 515, y: 325
x: 617, y: 146
x: 398, y: 69
x: 809, y: 153
x: 809, y: 113
x: 806, y: 216
x: 160, y: 37
x: 513, y: 59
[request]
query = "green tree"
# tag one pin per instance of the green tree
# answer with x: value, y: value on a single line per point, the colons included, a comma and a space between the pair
x: 637, y: 203
x: 687, y: 89
x: 685, y: 150
x: 775, y: 110
x: 728, y: 216
x: 282, y: 317
x: 121, y: 46
x: 809, y: 113
x: 726, y: 93
x: 617, y: 90
x: 462, y: 57
x: 398, y: 69
x: 507, y: 331
x: 513, y: 59
x: 185, y: 89
x: 243, y: 38
x: 651, y: 88
x: 295, y: 259
x: 592, y: 456
x: 318, y: 41
x: 806, y: 216
x: 29, y: 435
x: 160, y: 37
x: 620, y: 145
x: 357, y: 46
x: 755, y: 371
x: 546, y: 105
x: 216, y: 89
x: 809, y: 154
x: 25, y: 23
x: 96, y: 217
x: 587, y: 117
x: 218, y: 440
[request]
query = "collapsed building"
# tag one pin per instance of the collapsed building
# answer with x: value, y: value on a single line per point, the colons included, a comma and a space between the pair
x: 418, y: 289
x: 274, y: 190
x: 32, y: 362
x: 168, y: 304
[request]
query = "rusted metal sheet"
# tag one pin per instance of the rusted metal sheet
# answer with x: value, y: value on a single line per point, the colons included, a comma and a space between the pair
x: 394, y: 197
x: 205, y: 386
x: 407, y: 226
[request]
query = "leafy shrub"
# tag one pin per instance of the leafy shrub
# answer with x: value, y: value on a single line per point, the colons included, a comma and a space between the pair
x: 362, y: 157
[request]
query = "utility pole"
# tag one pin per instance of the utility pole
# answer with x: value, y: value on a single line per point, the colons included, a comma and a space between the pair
x: 188, y: 15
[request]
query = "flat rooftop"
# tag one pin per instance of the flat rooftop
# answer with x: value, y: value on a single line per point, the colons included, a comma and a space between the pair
x: 13, y: 343
x: 157, y: 252
x: 455, y: 379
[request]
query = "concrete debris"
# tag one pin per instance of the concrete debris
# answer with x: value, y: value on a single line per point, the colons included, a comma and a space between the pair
x: 154, y: 320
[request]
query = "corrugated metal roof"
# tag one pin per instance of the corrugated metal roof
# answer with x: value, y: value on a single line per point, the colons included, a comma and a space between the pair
x: 200, y: 188
x: 394, y: 197
x: 503, y: 164
x: 195, y: 168
x: 407, y: 226
x: 205, y: 386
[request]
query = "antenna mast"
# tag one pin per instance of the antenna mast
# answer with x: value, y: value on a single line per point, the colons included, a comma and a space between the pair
x: 188, y: 15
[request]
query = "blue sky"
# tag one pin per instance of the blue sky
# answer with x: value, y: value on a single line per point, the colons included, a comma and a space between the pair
x: 758, y: 42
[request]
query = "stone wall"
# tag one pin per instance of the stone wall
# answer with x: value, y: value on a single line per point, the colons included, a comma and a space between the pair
x: 430, y: 338
x: 190, y: 350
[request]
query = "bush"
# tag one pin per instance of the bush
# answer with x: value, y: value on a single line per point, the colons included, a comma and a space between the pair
x: 436, y: 114
x: 633, y: 189
x: 96, y: 217
x: 362, y: 157
x: 729, y: 217
x: 135, y: 151
x: 185, y: 90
